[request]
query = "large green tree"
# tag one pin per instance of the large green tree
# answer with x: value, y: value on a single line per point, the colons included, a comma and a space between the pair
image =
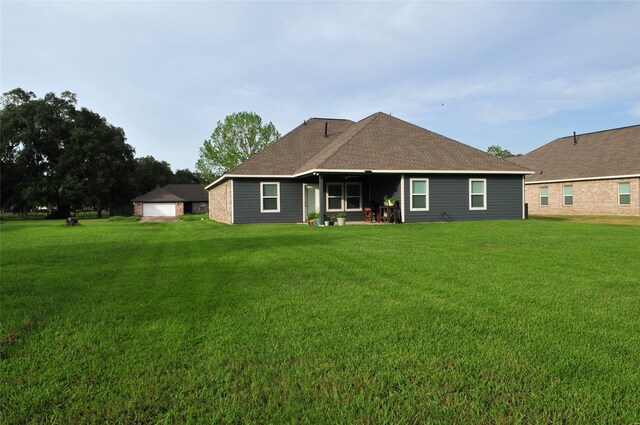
x: 94, y: 168
x: 55, y: 155
x: 236, y: 139
x: 33, y: 132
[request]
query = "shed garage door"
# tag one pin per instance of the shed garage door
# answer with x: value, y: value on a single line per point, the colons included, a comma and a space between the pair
x: 159, y: 210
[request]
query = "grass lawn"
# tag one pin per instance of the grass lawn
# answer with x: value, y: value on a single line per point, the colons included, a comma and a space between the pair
x: 478, y: 322
x: 601, y: 219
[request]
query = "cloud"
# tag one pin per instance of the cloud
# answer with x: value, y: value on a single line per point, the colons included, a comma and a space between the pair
x: 167, y: 72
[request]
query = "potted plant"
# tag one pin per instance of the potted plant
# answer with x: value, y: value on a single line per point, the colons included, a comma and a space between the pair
x: 342, y: 218
x: 332, y: 220
x: 389, y: 201
x: 312, y: 217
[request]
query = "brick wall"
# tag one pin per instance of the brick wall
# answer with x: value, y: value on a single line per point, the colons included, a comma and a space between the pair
x: 592, y: 197
x: 220, y: 202
x: 137, y: 209
x: 179, y: 208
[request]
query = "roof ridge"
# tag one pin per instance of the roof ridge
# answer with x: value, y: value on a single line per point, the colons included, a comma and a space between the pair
x: 557, y: 139
x: 598, y: 131
x: 335, y: 145
x: 444, y: 137
x: 330, y: 119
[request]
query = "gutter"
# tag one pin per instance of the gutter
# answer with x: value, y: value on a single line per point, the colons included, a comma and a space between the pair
x: 348, y: 171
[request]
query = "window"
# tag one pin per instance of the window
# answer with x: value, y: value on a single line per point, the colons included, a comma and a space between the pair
x: 269, y: 197
x: 354, y: 196
x: 477, y: 194
x: 624, y: 193
x: 544, y: 196
x: 567, y: 196
x: 419, y: 195
x: 344, y: 196
x: 334, y: 197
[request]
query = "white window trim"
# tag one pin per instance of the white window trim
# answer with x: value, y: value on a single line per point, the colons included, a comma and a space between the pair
x: 484, y: 194
x: 335, y: 197
x: 345, y: 203
x: 411, y: 207
x: 262, y: 197
x: 343, y: 198
x: 624, y: 205
x: 541, y: 204
x: 564, y: 197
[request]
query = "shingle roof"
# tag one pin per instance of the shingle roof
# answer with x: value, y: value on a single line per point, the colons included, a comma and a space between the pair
x: 293, y: 149
x: 175, y: 193
x: 382, y: 142
x: 378, y: 142
x: 613, y: 152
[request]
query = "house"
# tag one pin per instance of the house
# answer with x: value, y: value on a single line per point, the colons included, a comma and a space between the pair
x: 337, y: 165
x: 172, y: 200
x: 586, y: 174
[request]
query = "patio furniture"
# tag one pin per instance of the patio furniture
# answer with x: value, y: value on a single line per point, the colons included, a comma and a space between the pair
x: 388, y: 214
x: 368, y: 215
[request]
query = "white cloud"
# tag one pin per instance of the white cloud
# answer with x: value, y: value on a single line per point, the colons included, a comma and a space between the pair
x: 166, y: 72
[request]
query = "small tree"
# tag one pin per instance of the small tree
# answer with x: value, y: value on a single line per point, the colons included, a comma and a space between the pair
x: 236, y: 139
x: 498, y: 151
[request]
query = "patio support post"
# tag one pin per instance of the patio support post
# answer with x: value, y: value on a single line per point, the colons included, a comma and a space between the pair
x: 321, y: 195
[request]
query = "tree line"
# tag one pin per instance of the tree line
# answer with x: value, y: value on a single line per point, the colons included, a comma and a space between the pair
x: 58, y: 157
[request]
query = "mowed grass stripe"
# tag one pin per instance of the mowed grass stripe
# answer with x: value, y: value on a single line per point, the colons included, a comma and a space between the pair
x: 486, y: 322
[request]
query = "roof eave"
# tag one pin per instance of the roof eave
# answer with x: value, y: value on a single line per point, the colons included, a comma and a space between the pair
x: 577, y: 179
x: 365, y: 171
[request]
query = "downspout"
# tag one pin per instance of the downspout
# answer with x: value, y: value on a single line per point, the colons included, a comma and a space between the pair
x: 402, y: 198
x: 321, y: 196
x: 524, y: 200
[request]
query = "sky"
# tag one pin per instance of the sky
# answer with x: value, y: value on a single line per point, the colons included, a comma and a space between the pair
x: 514, y: 74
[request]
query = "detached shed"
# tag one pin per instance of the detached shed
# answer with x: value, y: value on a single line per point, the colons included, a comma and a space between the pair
x: 172, y: 200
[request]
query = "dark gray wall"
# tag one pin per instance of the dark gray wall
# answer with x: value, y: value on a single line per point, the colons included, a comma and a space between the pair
x: 450, y: 193
x: 246, y: 202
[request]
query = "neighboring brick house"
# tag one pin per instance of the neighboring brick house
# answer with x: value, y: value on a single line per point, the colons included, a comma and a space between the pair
x: 337, y: 166
x: 587, y: 174
x: 172, y: 200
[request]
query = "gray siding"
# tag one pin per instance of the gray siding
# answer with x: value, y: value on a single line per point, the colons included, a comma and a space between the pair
x: 450, y: 194
x: 447, y: 193
x: 246, y: 202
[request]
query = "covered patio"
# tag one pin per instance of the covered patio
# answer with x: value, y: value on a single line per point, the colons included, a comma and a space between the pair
x: 361, y: 196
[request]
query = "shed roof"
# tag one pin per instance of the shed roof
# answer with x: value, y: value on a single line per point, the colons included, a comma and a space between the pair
x: 175, y: 193
x: 614, y: 152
